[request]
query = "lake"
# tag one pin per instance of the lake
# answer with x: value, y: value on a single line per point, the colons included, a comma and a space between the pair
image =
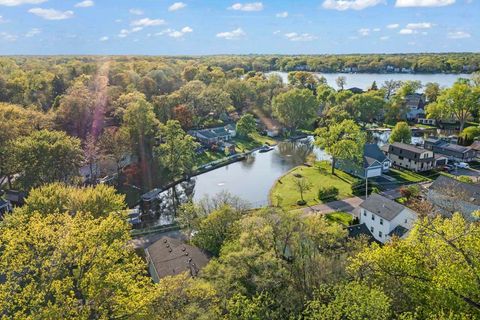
x: 365, y: 80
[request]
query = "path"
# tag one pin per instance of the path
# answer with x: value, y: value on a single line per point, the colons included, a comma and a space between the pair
x: 346, y: 205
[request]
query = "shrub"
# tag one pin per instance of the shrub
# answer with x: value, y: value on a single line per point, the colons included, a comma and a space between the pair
x: 358, y: 187
x: 328, y: 193
x: 412, y: 191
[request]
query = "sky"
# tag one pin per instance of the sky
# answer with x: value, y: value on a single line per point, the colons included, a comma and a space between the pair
x: 203, y: 27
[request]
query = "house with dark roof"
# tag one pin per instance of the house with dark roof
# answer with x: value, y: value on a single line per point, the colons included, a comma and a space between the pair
x: 415, y: 105
x: 411, y: 157
x: 449, y: 195
x: 214, y: 135
x: 169, y: 257
x: 374, y: 163
x: 360, y: 230
x: 476, y: 146
x: 385, y: 218
x: 453, y: 152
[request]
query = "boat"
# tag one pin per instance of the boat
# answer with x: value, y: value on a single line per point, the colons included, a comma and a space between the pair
x: 265, y: 149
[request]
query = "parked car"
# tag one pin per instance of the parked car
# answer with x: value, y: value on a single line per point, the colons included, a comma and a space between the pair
x: 448, y: 168
x: 462, y: 165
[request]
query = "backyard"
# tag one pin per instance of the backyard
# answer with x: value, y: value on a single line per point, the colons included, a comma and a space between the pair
x: 285, y: 193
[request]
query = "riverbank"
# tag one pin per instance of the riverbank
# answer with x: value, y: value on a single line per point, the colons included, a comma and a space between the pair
x: 284, y: 192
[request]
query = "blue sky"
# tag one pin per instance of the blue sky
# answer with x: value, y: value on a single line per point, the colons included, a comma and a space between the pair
x: 195, y: 27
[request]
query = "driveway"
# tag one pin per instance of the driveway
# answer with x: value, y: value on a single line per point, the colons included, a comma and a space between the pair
x: 346, y: 205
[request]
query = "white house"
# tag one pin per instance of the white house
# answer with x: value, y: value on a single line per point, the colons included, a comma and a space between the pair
x: 386, y: 218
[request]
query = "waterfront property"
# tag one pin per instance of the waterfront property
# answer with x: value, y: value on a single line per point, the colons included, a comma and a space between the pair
x: 214, y: 135
x: 385, y: 218
x: 453, y: 152
x: 411, y: 157
x: 415, y: 105
x: 375, y: 163
x: 449, y: 195
x: 170, y: 257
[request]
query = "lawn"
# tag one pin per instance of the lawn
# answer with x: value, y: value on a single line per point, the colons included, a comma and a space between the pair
x: 285, y: 193
x: 256, y: 140
x: 406, y: 176
x: 343, y: 218
x: 207, y: 157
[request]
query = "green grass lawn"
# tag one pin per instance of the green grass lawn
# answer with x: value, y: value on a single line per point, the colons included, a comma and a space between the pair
x: 343, y: 218
x: 256, y: 140
x: 318, y: 175
x: 406, y: 176
x: 208, y: 156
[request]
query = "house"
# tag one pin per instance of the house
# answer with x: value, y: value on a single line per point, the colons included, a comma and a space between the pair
x: 5, y: 207
x: 360, y: 230
x: 168, y: 257
x: 411, y: 157
x: 386, y: 218
x: 476, y: 146
x: 374, y: 163
x: 453, y: 152
x: 415, y: 105
x: 449, y: 195
x: 214, y: 135
x: 430, y: 122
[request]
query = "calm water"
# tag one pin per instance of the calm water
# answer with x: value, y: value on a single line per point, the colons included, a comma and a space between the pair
x: 252, y: 178
x: 365, y: 80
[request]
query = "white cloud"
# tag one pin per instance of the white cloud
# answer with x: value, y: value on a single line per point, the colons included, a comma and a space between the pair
x: 458, y: 35
x: 253, y: 6
x: 103, y: 39
x: 51, y: 14
x: 419, y: 25
x: 13, y: 3
x: 85, y: 4
x: 407, y: 31
x: 137, y: 12
x: 147, y: 22
x: 384, y: 38
x: 283, y: 14
x: 33, y: 32
x: 393, y: 26
x: 363, y: 32
x: 376, y: 30
x: 342, y: 5
x: 2, y: 20
x: 232, y: 35
x: 136, y: 29
x: 175, y: 33
x: 177, y: 6
x: 123, y: 33
x: 423, y: 3
x: 293, y: 36
x: 8, y: 37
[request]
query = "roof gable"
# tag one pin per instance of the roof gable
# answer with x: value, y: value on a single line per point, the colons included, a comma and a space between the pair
x: 381, y: 206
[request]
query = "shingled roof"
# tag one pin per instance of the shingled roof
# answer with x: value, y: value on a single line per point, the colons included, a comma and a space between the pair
x: 171, y: 257
x: 453, y: 188
x: 381, y: 206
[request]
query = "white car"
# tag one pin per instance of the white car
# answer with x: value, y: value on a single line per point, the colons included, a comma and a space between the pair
x: 462, y: 165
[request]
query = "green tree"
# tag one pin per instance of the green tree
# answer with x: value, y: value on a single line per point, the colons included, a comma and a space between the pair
x: 401, y: 133
x: 216, y: 228
x: 76, y: 267
x: 45, y: 157
x: 303, y: 80
x: 114, y: 145
x: 246, y: 125
x: 341, y: 82
x: 295, y: 107
x: 434, y: 269
x: 459, y: 102
x: 353, y: 301
x: 302, y: 185
x: 177, y: 150
x: 432, y: 91
x: 365, y: 107
x: 343, y: 141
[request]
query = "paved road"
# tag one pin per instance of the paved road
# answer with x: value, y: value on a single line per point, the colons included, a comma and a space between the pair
x: 346, y: 205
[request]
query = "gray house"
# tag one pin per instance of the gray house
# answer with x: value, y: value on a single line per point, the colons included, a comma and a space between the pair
x: 168, y: 257
x: 374, y: 163
x: 214, y: 135
x: 451, y: 151
x: 411, y: 157
x: 449, y: 195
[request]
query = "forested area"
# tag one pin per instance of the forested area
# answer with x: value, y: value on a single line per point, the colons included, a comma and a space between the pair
x: 66, y: 253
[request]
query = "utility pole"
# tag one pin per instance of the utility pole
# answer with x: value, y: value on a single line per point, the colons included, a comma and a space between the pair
x: 366, y: 184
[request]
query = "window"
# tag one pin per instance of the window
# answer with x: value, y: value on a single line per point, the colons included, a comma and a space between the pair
x: 371, y: 229
x: 373, y: 217
x: 400, y: 157
x: 380, y: 234
x: 381, y: 221
x: 406, y: 221
x: 364, y: 213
